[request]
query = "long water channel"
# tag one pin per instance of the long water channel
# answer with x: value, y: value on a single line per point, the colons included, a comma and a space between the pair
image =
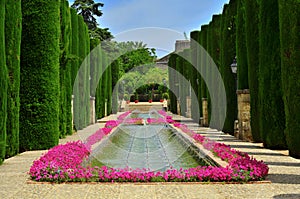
x: 154, y: 147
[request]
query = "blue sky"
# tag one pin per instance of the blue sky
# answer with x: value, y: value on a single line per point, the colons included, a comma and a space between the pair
x: 177, y: 16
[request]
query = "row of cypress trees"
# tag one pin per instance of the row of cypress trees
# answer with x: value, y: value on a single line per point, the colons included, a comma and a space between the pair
x: 264, y: 36
x: 50, y: 42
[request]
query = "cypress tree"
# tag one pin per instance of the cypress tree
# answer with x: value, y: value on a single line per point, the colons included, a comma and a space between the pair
x: 214, y: 51
x: 228, y: 52
x: 104, y: 87
x: 272, y: 117
x: 172, y: 83
x: 199, y: 76
x: 82, y: 73
x: 64, y: 51
x: 39, y: 91
x: 241, y: 47
x: 203, y: 59
x: 3, y: 84
x: 289, y: 11
x: 13, y: 24
x: 68, y: 72
x: 195, y: 106
x: 75, y: 65
x: 115, y: 78
x: 87, y: 76
x: 252, y: 45
x: 99, y: 93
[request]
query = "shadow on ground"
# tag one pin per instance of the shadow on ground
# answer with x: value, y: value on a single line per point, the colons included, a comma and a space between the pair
x: 284, y: 178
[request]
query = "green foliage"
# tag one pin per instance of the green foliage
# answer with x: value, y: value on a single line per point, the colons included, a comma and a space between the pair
x: 75, y: 66
x: 228, y: 52
x: 88, y: 9
x: 39, y: 91
x: 65, y: 116
x: 213, y: 46
x: 203, y: 60
x: 195, y: 106
x: 134, y: 54
x: 13, y: 20
x: 3, y: 84
x: 272, y: 116
x: 241, y: 48
x: 289, y: 11
x: 172, y: 83
x: 252, y: 45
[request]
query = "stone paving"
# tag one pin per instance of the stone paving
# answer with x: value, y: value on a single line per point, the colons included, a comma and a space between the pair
x: 284, y: 176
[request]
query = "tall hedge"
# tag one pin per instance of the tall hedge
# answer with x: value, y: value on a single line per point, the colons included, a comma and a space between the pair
x: 199, y: 76
x: 172, y: 83
x: 87, y: 77
x: 252, y: 45
x: 13, y: 24
x: 289, y: 11
x: 195, y: 106
x: 181, y: 85
x: 68, y: 71
x: 203, y: 60
x: 3, y: 84
x: 115, y: 67
x: 272, y: 117
x: 75, y: 65
x: 39, y: 90
x: 82, y: 73
x: 214, y: 51
x: 65, y: 84
x: 241, y: 47
x: 228, y: 52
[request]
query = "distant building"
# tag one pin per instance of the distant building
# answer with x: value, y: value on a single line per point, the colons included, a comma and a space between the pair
x: 180, y: 45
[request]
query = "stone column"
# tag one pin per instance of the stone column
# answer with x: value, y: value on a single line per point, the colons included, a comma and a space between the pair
x: 178, y: 107
x: 188, y: 107
x: 205, y: 112
x: 92, y: 110
x: 244, y: 128
x: 72, y: 110
x: 105, y: 108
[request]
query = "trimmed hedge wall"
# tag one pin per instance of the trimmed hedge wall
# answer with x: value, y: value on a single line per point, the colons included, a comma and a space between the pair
x: 39, y: 91
x: 75, y: 66
x: 241, y: 48
x: 252, y: 45
x: 272, y: 116
x: 13, y: 24
x: 65, y: 24
x: 228, y: 52
x: 289, y: 11
x: 214, y: 51
x: 172, y: 83
x: 195, y: 106
x: 3, y: 84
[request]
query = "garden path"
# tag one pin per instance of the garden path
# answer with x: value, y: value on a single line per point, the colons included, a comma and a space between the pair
x: 284, y: 176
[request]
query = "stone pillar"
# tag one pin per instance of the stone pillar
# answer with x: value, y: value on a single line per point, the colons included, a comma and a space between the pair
x: 244, y: 128
x: 178, y: 107
x: 92, y: 110
x: 105, y: 108
x: 205, y: 112
x: 188, y: 107
x: 72, y: 110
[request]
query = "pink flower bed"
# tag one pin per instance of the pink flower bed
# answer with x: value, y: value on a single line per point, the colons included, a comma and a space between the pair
x: 63, y: 163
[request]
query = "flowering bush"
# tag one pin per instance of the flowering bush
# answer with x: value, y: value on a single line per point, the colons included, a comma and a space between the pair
x: 63, y: 163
